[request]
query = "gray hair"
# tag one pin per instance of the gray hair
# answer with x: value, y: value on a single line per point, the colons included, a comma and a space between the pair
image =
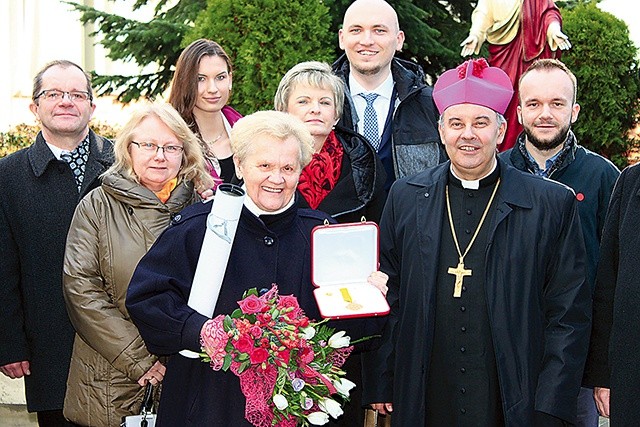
x: 272, y: 123
x: 312, y: 73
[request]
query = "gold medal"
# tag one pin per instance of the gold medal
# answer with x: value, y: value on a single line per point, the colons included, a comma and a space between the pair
x: 347, y: 297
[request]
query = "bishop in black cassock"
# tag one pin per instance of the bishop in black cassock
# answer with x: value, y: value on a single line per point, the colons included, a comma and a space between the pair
x: 508, y: 346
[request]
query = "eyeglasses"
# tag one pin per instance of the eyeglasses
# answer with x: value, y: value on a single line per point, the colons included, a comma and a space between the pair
x: 169, y: 150
x: 54, y: 95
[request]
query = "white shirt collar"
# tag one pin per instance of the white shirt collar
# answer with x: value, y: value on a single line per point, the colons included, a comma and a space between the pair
x: 385, y: 90
x: 474, y: 184
x: 57, y: 151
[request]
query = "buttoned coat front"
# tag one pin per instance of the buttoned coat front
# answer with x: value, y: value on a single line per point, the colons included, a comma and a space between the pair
x: 538, y: 300
x: 38, y: 196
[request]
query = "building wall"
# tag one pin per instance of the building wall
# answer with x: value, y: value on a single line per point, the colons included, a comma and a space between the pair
x: 35, y: 32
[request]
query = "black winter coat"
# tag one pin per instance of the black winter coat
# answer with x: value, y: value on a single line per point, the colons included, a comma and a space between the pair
x: 415, y: 139
x: 266, y: 250
x: 592, y: 178
x: 38, y: 196
x: 359, y: 191
x: 615, y: 342
x: 538, y: 300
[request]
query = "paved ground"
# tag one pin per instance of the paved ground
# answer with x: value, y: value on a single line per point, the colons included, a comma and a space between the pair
x: 17, y: 416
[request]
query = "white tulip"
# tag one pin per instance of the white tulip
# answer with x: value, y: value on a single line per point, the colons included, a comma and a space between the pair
x: 318, y: 418
x: 280, y: 401
x: 339, y: 340
x: 308, y: 332
x: 331, y: 406
x: 343, y: 386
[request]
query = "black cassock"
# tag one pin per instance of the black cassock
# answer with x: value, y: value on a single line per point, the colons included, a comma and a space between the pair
x: 463, y: 388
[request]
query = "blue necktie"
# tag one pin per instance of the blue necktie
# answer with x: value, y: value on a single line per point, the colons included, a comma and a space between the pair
x: 370, y: 129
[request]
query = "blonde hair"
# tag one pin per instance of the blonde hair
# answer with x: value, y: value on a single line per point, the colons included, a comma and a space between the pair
x: 272, y: 123
x: 312, y: 73
x: 193, y: 165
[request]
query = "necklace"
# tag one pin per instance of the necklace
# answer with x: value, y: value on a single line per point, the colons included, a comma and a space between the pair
x: 460, y: 271
x: 216, y: 139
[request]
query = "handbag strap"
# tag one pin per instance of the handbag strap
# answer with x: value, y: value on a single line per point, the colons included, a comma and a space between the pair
x: 147, y: 401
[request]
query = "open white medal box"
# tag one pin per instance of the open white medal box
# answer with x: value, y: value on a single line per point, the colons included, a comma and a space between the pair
x: 342, y: 258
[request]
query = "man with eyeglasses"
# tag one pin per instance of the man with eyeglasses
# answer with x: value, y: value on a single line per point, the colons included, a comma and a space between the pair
x: 40, y: 187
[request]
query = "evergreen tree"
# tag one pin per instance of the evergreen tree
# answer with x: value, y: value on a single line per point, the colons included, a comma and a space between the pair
x: 603, y: 58
x: 433, y: 31
x: 145, y: 43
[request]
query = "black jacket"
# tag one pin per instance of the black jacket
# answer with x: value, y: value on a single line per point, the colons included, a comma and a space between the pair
x: 592, y: 178
x: 359, y: 191
x: 415, y: 142
x: 614, y: 349
x: 38, y: 196
x: 538, y: 300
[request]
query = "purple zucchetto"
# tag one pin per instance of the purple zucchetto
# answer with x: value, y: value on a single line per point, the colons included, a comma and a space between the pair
x: 473, y: 82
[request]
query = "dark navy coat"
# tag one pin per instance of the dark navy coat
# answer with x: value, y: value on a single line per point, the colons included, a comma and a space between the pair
x: 38, y: 196
x: 592, y: 178
x: 615, y: 341
x: 538, y: 300
x: 266, y: 250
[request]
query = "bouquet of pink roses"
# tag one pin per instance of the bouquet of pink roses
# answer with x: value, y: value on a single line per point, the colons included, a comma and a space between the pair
x: 288, y: 366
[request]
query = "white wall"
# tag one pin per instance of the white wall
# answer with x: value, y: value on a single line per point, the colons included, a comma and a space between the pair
x: 35, y: 32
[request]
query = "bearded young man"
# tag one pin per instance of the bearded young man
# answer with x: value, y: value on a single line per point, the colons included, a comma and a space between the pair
x: 547, y: 147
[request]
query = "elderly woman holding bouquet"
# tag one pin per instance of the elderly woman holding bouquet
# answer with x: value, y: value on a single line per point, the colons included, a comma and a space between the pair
x: 271, y: 246
x: 344, y: 178
x: 157, y: 161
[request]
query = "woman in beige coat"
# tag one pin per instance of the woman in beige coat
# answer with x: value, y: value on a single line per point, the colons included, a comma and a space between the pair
x: 157, y: 160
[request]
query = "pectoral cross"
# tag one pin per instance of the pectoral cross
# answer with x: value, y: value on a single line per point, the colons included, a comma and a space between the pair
x: 459, y: 272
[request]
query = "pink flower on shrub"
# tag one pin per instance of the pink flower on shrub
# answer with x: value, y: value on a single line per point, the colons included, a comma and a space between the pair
x: 252, y: 305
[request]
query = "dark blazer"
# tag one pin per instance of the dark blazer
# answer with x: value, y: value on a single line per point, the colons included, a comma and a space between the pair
x: 539, y: 302
x: 38, y: 196
x: 410, y: 141
x: 615, y: 341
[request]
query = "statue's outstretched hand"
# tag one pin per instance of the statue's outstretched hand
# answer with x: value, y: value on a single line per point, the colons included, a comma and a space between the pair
x: 556, y: 38
x: 469, y: 45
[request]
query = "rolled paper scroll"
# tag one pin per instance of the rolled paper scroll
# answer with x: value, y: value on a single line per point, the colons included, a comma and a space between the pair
x: 222, y: 223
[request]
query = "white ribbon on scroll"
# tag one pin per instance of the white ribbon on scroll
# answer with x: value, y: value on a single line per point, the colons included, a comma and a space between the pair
x: 222, y: 224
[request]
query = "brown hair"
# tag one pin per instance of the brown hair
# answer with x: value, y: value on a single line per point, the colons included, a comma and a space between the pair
x: 549, y: 64
x: 62, y: 63
x: 184, y: 86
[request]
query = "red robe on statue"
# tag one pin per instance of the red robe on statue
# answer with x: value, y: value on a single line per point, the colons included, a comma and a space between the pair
x: 529, y: 44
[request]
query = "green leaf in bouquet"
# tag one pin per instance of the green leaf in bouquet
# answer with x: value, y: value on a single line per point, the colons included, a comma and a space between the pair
x: 228, y: 324
x: 227, y: 362
x: 243, y: 366
x: 252, y: 291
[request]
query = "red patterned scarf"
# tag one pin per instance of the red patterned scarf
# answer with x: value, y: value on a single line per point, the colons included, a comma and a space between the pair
x: 320, y: 176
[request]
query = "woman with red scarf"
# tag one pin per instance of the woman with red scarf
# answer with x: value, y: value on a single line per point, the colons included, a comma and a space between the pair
x: 345, y: 177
